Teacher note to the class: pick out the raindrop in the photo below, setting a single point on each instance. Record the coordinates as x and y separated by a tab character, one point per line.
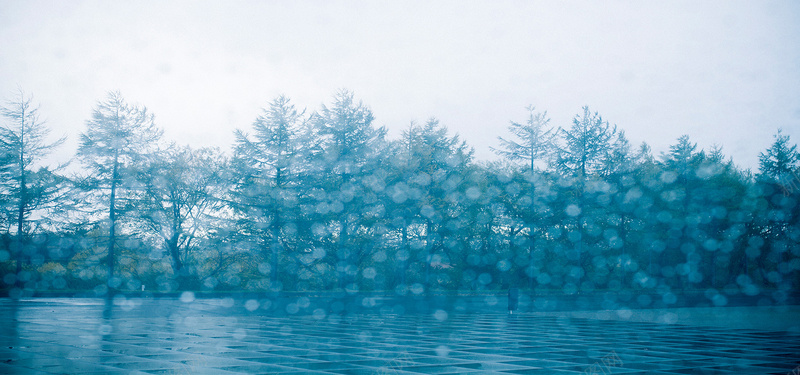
503	265
402	255
318	314
442	351
473	193
379	256
668	177
239	334
427	211
251	305
187	297
624	314
543	278
105	329
401	290
573	210
369	273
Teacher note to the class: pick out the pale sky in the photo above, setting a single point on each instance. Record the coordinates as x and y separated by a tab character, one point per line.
723	72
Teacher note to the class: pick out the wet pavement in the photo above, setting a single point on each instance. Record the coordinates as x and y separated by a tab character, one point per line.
188	335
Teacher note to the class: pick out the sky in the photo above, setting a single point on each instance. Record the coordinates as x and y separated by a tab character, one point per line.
725	73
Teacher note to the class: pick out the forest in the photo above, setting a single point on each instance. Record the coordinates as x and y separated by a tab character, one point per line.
324	201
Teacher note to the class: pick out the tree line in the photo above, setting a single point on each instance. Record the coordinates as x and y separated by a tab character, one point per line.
325	201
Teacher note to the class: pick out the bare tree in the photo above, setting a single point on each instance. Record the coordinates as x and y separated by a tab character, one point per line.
181	190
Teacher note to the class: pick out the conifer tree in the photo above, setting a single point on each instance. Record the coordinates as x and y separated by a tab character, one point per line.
23	145
267	179
533	144
586	147
118	138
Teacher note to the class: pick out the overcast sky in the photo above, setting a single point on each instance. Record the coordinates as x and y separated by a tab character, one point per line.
723	72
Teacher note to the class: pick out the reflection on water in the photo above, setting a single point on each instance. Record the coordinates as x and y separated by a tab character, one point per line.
433	334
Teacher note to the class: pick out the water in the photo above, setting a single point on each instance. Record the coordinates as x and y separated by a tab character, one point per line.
191	334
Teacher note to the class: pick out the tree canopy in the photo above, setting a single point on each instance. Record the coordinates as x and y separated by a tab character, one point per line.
323	200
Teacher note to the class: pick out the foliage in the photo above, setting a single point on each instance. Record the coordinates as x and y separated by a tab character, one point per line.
26	191
323	201
118	138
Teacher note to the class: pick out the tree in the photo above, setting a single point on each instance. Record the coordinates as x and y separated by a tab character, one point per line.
533	144
346	148
781	163
586	148
7	169
779	181
23	139
429	187
182	189
534	140
587	145
682	189
683	157
620	160
118	137
267	178
723	226
615	211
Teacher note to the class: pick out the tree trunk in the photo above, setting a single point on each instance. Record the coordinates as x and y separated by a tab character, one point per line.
581	208
428	249
406	255
344	253
112	218
20	226
623	236
23	200
276	248
531	251
177	264
276	229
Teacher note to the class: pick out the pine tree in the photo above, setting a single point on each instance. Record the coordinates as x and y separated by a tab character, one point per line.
534	144
23	142
681	189
779	180
781	163
345	148
582	156
118	137
267	178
